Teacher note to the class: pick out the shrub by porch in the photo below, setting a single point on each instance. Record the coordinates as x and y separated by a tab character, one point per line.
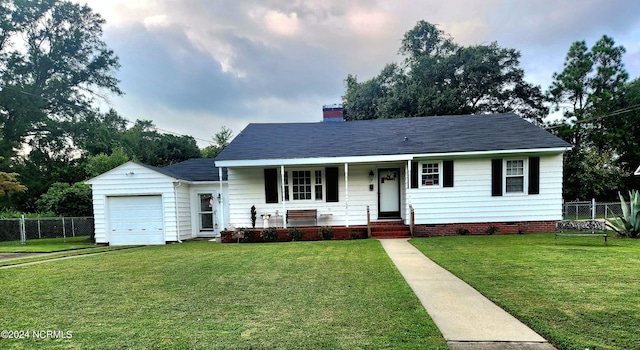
308	234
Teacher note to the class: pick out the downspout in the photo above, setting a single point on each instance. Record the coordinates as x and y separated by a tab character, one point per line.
175	200
222	227
284	205
346	190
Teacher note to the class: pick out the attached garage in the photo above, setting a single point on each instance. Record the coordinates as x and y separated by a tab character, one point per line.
138	204
135	220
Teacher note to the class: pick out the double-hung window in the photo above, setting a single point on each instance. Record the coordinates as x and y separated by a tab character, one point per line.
430	174
300	185
318	185
514	176
301	180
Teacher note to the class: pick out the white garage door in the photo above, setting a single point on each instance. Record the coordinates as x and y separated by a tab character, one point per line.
135	220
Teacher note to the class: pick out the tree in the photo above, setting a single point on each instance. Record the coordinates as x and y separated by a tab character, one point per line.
63	68
588	90
221	140
9	183
439	77
67	200
143	143
102	163
99	133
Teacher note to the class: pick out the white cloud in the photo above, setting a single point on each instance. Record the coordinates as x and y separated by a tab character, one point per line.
281	23
196	65
154	22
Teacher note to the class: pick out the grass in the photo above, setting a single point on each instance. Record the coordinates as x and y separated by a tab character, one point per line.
46	245
315	295
62	254
579	294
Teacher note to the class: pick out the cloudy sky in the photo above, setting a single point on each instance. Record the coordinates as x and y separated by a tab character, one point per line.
193	66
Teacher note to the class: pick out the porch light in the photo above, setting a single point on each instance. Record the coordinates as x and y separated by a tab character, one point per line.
371	175
219	198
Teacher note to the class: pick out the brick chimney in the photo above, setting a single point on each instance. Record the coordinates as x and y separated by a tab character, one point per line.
332	113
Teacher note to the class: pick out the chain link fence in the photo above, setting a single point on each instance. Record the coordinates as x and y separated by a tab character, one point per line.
10	229
591	210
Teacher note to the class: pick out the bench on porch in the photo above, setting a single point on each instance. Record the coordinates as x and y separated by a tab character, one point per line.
581	226
303	214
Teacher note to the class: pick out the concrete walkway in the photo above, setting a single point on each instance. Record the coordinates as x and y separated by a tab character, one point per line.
465	317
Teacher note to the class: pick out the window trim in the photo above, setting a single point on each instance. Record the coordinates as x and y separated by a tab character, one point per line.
288	186
525	180
420	173
206	212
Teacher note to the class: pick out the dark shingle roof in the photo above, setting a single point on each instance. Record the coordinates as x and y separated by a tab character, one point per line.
196	169
441	134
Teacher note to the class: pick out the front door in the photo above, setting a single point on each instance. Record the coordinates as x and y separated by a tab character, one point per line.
389	193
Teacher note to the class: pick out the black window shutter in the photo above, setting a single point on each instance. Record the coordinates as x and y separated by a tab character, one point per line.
496	177
447	168
271	185
332	184
414	174
534	175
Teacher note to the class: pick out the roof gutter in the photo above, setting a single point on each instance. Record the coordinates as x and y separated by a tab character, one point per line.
379	158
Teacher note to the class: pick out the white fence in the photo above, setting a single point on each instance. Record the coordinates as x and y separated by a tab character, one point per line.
61	227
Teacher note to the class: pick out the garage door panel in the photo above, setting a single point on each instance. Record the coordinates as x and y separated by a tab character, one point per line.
136	220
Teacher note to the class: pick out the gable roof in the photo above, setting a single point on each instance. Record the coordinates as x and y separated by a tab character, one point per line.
196	169
193	170
424	135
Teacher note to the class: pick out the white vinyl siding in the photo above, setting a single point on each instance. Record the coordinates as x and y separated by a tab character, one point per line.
471	201
246	188
131	179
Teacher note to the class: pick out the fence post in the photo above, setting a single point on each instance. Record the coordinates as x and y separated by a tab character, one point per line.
593	208
64	231
23	231
73	229
39	234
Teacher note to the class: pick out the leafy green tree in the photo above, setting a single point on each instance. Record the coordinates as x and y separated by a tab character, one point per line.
440	77
99	133
54	65
67	200
143	143
221	140
102	163
587	91
624	131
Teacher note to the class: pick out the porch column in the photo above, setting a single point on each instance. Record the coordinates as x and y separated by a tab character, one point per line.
221	200
407	186
346	191
284	205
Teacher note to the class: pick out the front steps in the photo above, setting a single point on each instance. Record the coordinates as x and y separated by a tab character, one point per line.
390	229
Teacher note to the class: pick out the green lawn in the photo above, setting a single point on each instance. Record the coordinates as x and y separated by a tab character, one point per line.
579	294
46	245
307	295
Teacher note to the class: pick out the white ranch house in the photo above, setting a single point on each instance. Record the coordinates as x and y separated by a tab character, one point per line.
141	204
496	169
